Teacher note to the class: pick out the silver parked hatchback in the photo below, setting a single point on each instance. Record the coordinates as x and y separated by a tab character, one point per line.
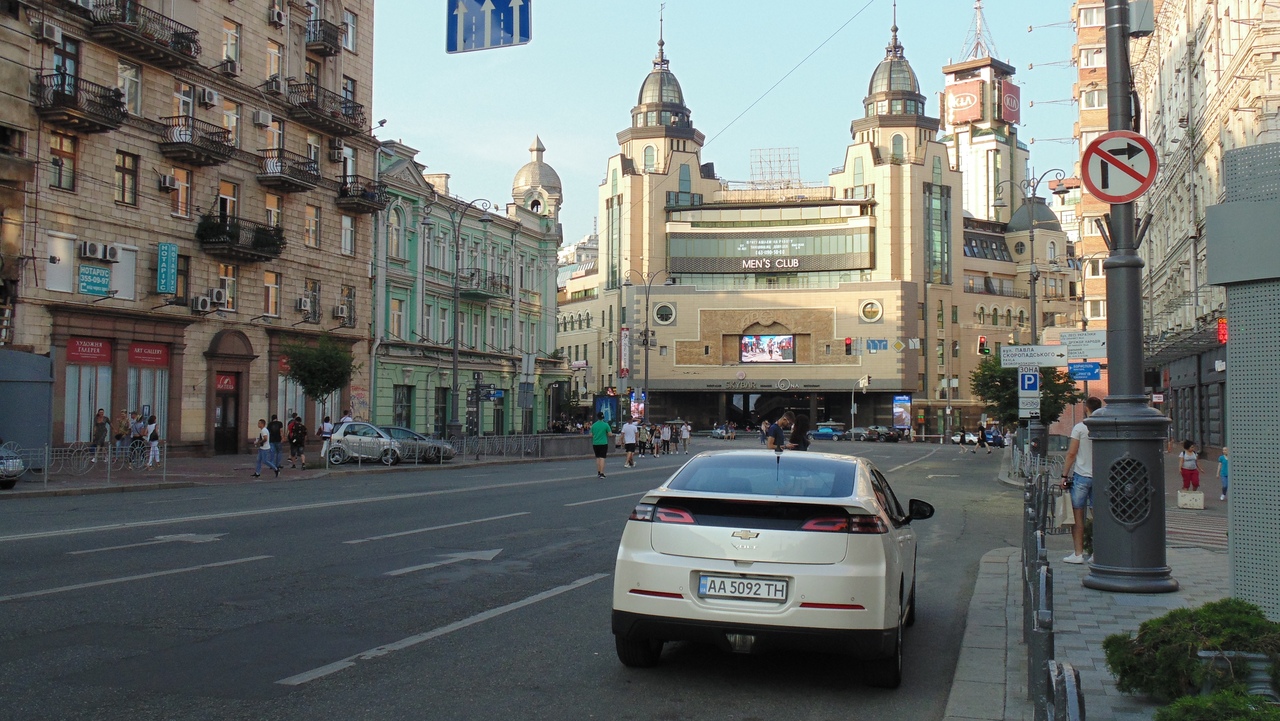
364	441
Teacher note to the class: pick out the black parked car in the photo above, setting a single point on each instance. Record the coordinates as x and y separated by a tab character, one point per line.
884	433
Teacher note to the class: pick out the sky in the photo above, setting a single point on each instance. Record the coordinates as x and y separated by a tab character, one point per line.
756	74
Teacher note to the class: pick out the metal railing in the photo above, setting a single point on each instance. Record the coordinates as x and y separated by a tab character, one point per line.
324	36
114	463
518	446
60	90
362	188
230	232
294	166
475	279
207	136
148	24
326	102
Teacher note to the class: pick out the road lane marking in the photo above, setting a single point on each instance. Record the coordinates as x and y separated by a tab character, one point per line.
178	538
602	500
126	579
177	500
435	528
270	511
447	560
904	465
349	661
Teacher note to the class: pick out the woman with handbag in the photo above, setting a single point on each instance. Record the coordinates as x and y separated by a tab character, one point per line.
153	437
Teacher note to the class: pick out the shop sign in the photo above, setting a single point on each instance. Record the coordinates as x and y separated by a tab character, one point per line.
89	351
94	280
149	354
284	365
166	268
224	381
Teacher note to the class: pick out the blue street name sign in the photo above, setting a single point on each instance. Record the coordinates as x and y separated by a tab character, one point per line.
167	268
1085	371
484	24
94	280
1029	382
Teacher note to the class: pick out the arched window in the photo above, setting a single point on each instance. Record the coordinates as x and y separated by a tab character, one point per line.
1053	250
899	148
1008	317
536	206
649	159
686	183
982	315
589	320
395	234
1022	318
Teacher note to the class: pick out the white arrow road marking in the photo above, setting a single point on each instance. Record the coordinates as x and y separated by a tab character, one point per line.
435	528
404	643
126	579
181	537
451	558
940	476
602	500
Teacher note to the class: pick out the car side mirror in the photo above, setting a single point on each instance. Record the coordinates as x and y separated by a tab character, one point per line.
918	510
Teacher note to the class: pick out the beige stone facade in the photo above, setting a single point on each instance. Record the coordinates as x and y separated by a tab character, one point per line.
232	135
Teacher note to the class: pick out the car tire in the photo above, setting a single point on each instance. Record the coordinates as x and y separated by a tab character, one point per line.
910	619
7	484
638	651
389	457
337	455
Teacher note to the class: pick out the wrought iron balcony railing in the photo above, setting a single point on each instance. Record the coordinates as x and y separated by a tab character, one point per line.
286	171
325	110
361	195
475	282
324	38
196	142
237	238
128	26
76	104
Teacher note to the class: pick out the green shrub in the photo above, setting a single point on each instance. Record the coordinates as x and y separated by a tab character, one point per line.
1221	706
1162	660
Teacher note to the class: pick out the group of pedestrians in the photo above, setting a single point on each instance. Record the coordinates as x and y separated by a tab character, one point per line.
132	431
638	439
273	434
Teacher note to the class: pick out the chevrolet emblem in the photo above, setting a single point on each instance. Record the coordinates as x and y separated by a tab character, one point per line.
746	535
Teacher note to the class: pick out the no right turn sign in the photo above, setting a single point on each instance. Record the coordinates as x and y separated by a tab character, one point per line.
1119	166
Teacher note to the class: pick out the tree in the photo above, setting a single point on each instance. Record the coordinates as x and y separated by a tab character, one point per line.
998	388
320	369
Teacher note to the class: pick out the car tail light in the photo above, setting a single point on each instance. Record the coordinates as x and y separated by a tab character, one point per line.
642	512
867	524
827	524
673	515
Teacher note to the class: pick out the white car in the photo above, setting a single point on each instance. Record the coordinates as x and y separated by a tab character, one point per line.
356	440
751	550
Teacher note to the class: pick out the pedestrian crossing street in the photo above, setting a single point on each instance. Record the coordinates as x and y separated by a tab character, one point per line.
1185	528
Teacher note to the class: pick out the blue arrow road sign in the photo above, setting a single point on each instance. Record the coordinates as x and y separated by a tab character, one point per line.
1085	371
484	24
1029	382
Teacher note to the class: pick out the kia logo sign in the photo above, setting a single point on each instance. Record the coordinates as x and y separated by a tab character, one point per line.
1011	102
963	101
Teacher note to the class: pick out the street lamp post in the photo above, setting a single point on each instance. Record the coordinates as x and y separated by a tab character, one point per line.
1037	432
647	279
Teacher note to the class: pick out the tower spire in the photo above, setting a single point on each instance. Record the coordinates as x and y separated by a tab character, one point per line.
661	62
894	48
978	43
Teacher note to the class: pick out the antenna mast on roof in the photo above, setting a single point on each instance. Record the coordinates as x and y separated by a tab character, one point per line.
978	43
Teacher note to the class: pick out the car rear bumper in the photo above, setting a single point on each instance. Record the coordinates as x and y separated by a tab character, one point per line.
859	643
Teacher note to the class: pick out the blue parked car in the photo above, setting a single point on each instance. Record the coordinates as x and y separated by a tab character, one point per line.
830	431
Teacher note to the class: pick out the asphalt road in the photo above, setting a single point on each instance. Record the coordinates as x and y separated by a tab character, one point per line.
468	593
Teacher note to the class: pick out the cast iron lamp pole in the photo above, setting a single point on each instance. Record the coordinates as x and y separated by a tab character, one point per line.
647	279
1037	432
457	214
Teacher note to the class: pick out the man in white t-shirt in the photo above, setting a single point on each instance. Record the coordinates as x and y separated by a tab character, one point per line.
665	436
684	438
629	431
1077	477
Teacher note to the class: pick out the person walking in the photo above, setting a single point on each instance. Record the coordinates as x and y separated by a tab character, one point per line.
346	416
629	433
275	429
777	441
153	438
325	431
685	432
121	427
799	439
764	431
982	440
1223	464
265	455
1077	477
297	442
665	435
1189	464
600	442
100	435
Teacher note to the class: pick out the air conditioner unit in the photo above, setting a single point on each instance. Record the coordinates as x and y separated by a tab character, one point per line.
262	118
304	304
201	304
111	253
275	16
337	144
335	156
340	311
168	183
274	85
91	250
229	68
218	296
50	33
208	97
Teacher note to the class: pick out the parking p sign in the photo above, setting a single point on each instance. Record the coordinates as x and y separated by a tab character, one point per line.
1029	382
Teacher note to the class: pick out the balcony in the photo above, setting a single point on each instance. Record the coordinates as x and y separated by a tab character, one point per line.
992	290
130	28
357	194
287	172
325	110
79	105
233	238
195	142
324	38
478	284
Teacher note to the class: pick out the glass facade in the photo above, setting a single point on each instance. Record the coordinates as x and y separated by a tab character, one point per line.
750	245
768	281
937	230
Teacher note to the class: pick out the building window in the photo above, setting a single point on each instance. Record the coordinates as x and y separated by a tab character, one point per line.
184	99
348	235
311	292
129	81
313	146
1053	250
1093	99
351	30
228	199
180	198
126	179
649	158
1097	309
271	294
275	133
348	89
899	148
686	184
275	205
872	311
1093	268
231	120
955	314
230	40
184	279
227	281
66	58
312	237
347	298
402	406
311	72
63	150
275	58
1093	57
395	235
395	319
1092	17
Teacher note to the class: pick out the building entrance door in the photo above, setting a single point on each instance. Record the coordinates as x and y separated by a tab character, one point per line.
226	414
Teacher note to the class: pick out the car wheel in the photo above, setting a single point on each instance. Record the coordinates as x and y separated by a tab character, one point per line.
389	457
638	651
887	673
7	484
910	620
337	455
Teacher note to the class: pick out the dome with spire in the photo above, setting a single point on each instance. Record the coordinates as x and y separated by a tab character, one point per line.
1037	208
894	73
661	86
661	101
537	185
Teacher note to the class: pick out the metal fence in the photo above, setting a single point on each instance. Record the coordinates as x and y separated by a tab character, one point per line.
114	463
519	446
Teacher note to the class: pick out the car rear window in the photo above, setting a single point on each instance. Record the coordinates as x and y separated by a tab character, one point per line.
768	474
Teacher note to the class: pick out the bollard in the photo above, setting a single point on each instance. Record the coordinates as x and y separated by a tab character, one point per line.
1040	648
1066	698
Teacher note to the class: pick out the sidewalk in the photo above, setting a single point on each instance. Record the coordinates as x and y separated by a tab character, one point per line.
993	659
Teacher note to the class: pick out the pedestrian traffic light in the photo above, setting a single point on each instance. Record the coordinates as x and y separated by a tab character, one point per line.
848	346
983	348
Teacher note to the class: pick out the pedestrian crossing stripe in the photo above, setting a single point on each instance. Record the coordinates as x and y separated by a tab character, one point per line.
1196	529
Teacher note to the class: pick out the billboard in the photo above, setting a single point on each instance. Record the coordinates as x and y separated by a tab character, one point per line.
964	101
767	349
1010	102
902	411
608	405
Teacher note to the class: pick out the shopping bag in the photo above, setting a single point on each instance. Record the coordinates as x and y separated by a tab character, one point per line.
1063	515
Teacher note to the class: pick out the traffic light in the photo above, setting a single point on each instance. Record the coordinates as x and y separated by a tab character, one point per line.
983	348
848	346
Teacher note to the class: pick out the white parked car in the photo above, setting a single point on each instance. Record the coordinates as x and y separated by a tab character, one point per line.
358	440
414	446
751	550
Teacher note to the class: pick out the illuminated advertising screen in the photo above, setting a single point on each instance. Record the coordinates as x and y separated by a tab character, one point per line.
767	349
902	411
